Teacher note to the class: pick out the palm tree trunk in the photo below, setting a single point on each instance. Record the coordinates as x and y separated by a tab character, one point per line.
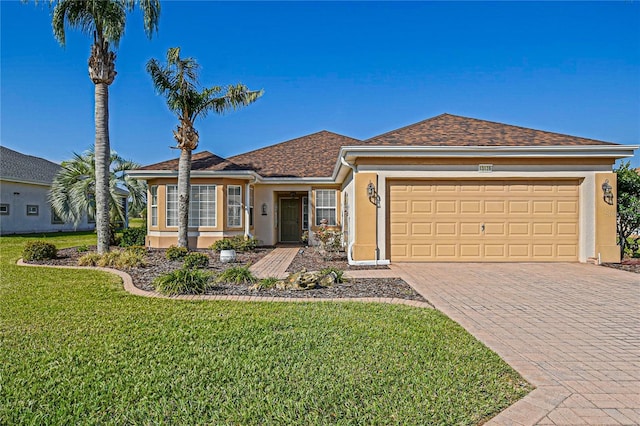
184	189
102	152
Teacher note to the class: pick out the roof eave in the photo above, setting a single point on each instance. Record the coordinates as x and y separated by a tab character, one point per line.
157	174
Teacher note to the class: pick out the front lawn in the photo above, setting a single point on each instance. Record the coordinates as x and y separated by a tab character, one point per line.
76	349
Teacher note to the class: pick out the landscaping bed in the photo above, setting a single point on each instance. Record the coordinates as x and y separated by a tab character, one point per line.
308	258
629	265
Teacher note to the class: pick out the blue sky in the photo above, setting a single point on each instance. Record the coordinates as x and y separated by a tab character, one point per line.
358	69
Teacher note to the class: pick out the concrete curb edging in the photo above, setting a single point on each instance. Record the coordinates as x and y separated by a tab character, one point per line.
132	289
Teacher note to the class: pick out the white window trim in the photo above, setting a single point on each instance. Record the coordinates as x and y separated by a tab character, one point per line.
229	206
35	208
335	207
6	209
305	206
166	206
214	201
154	204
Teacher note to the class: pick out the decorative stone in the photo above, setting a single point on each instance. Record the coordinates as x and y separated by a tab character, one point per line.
304	280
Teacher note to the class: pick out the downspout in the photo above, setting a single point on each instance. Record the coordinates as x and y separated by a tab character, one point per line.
247	201
354	168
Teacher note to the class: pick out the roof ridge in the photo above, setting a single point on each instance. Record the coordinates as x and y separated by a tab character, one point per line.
291	140
409	126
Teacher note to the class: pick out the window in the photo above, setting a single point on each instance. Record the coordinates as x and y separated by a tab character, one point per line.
4	209
32	210
154	205
305	213
172	205
326	206
251	198
55	219
202	205
234	206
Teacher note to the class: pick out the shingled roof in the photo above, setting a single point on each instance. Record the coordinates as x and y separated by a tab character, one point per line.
26	168
313	155
454	130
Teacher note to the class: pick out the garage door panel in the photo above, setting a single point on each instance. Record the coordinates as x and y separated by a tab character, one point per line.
484	221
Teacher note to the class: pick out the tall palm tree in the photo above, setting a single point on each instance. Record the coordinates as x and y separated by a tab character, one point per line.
177	81
72	193
105	21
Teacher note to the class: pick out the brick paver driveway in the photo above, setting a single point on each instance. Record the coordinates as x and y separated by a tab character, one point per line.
572	330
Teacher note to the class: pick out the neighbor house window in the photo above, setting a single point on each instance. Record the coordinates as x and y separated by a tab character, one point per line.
305	213
234	206
4	209
154	205
32	210
55	219
202	205
251	198
326	206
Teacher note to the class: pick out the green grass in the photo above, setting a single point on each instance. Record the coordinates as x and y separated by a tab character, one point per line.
75	348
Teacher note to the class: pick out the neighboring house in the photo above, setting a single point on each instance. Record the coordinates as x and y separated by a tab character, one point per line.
448	188
24	186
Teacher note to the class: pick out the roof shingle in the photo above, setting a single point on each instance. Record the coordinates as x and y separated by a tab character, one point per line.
27	168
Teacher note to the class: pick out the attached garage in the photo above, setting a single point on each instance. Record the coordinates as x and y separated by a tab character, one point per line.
483	220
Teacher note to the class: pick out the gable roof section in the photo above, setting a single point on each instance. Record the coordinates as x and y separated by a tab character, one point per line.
454	130
313	155
15	166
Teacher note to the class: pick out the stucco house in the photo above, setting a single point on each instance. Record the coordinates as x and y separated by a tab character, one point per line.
25	181
448	188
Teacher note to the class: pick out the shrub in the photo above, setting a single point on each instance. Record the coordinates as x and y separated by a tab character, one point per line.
182	281
83	248
133	237
89	259
338	272
39	250
237	243
266	283
176	253
131	259
237	275
196	260
140	250
223	244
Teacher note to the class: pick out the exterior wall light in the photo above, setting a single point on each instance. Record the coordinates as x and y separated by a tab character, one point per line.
264	209
607	192
371	190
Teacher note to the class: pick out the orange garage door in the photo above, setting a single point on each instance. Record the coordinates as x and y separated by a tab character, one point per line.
483	221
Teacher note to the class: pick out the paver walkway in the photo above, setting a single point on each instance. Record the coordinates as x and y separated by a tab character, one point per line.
572	330
275	264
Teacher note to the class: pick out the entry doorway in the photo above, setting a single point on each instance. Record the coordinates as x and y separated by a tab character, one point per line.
290	218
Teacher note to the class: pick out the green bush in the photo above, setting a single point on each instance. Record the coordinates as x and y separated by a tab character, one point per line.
223	244
266	283
140	250
339	273
89	259
237	275
196	260
238	243
176	253
182	281
39	250
83	248
133	237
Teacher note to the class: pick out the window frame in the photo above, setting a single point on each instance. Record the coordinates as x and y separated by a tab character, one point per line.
251	203
238	207
174	216
5	209
305	213
318	208
35	210
55	219
153	193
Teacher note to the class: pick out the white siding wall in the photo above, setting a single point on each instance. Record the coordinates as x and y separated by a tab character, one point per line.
18	196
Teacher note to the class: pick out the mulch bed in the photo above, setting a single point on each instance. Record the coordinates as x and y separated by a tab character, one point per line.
629	265
307	258
311	260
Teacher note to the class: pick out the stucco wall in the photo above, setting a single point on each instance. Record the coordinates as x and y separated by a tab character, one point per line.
19	196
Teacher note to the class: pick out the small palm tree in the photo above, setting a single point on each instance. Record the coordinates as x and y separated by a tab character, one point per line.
177	81
105	21
72	194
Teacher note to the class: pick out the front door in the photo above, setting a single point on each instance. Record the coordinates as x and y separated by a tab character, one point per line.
289	220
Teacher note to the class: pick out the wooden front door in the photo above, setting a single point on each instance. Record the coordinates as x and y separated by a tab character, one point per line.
289	220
